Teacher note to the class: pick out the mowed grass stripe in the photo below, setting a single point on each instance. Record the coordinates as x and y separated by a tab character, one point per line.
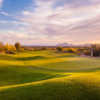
78	86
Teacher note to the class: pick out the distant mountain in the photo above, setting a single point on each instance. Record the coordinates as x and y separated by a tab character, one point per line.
72	45
64	45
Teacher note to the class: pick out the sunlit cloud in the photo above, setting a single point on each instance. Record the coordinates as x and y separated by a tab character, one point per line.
53	21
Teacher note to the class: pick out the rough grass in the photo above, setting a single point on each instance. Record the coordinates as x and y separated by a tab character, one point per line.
46	75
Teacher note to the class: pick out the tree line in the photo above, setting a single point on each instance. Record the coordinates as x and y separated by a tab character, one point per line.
93	50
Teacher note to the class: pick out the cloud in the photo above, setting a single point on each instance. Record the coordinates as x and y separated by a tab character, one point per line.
4	13
62	21
1	1
53	21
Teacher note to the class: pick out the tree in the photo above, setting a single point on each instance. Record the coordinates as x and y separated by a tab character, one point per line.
17	46
1	47
59	49
9	47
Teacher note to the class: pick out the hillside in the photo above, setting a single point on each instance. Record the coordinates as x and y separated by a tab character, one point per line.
46	75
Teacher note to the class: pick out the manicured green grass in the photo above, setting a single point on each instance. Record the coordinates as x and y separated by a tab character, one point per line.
47	75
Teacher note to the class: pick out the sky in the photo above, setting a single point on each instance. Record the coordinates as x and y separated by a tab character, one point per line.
49	22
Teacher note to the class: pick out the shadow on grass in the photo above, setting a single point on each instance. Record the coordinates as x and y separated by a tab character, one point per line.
32	58
13	74
54	90
64	56
65	71
13	58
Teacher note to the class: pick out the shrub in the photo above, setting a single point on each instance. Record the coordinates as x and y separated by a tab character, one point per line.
93	51
10	52
69	50
87	52
43	48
